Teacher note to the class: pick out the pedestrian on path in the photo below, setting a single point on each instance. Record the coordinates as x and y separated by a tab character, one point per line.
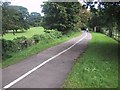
87	29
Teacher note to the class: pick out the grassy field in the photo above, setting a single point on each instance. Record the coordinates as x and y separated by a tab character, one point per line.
97	67
27	33
17	57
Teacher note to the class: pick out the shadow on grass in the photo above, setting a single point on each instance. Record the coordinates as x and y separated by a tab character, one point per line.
105	49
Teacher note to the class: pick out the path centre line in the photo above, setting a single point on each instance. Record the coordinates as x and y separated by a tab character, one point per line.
40	65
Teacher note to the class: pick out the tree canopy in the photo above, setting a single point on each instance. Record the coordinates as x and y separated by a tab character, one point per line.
35	19
106	15
62	16
14	17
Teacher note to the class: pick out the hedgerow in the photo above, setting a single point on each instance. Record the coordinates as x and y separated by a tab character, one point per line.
21	43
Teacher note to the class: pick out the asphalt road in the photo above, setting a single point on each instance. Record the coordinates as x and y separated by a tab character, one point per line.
50	75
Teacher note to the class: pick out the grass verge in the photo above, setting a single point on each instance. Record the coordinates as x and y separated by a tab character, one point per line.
97	67
17	57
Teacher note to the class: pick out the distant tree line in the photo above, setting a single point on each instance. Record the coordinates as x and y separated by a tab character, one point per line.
35	19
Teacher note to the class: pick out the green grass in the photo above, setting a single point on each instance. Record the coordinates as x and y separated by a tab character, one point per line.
17	57
97	67
27	33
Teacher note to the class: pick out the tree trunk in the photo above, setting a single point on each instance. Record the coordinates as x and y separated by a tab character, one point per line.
110	33
16	31
13	32
3	33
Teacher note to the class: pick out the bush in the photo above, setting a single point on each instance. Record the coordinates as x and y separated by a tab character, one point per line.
36	38
7	46
20	43
56	34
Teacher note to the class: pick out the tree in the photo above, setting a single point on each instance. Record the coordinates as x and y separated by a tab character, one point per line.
14	17
62	16
23	16
5	21
35	19
85	16
0	19
107	15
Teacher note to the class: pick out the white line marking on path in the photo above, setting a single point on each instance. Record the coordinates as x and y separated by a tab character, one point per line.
40	65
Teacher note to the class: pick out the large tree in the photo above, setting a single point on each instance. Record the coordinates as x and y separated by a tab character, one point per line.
14	17
106	15
62	16
23	16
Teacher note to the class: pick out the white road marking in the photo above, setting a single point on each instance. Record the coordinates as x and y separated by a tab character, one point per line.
40	65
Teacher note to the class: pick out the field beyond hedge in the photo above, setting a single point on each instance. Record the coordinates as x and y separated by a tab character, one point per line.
97	67
27	33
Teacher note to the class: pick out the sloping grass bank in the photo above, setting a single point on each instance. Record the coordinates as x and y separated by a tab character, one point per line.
17	57
97	67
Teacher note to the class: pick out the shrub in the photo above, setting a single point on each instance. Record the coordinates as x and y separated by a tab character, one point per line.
56	34
20	43
36	38
7	46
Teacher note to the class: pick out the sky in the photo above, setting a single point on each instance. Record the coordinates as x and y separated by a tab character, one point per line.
31	5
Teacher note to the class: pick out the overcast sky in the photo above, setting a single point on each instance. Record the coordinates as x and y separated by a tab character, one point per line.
31	5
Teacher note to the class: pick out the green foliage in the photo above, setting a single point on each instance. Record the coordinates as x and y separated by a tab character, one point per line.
21	43
14	17
36	38
61	16
35	19
34	49
105	16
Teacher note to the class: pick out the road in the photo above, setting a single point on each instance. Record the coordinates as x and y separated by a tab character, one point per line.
47	69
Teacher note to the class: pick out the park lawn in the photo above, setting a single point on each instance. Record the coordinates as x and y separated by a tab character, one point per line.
19	56
27	33
97	67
